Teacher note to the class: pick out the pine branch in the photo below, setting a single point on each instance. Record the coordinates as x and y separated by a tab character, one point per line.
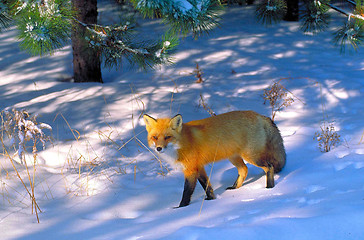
43	26
271	11
352	33
196	16
315	18
115	43
4	16
340	10
352	2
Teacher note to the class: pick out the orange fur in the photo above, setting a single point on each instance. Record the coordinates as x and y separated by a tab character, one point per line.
234	135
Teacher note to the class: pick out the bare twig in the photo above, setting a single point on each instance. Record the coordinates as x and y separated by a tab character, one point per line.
198	72
205	106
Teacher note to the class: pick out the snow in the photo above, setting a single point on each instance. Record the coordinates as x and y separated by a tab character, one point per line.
184	6
98	181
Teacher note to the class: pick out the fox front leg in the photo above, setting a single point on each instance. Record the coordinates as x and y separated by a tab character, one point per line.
189	188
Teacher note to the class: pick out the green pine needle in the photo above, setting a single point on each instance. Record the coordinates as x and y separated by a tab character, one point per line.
315	18
116	44
43	28
352	34
271	11
4	16
196	16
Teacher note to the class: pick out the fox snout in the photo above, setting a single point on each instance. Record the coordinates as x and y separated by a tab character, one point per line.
158	144
159	149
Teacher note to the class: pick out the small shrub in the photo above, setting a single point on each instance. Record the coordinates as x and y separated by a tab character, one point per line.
327	137
278	97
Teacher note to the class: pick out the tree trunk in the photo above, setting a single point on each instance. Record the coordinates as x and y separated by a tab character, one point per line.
86	61
292	10
249	2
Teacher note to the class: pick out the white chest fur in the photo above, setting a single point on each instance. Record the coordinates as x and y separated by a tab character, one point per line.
169	155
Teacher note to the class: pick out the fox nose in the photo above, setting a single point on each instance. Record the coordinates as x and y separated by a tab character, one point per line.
159	149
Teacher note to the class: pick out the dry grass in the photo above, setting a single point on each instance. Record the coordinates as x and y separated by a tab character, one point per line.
84	164
205	106
362	138
87	161
198	73
327	137
278	97
19	132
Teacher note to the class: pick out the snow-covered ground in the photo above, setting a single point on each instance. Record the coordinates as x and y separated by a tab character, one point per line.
98	181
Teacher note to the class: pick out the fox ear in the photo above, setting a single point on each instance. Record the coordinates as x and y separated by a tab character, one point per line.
176	122
149	121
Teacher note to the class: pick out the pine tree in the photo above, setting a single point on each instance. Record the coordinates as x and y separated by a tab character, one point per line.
86	60
4	16
315	18
44	26
292	10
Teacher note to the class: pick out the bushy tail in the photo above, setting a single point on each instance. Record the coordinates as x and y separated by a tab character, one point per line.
275	147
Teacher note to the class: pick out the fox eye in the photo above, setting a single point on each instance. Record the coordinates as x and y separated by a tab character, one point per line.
155	137
167	137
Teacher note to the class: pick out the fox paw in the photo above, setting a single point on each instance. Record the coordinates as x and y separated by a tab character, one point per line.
210	198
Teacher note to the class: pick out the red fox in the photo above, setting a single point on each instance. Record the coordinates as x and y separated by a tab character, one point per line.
234	135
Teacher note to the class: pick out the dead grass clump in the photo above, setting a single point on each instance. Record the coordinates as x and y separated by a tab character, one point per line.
327	137
22	133
278	97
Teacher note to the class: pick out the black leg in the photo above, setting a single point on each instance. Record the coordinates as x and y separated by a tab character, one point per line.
270	176
270	179
204	181
189	188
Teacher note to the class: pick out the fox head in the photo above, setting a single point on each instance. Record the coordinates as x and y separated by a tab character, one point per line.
163	131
